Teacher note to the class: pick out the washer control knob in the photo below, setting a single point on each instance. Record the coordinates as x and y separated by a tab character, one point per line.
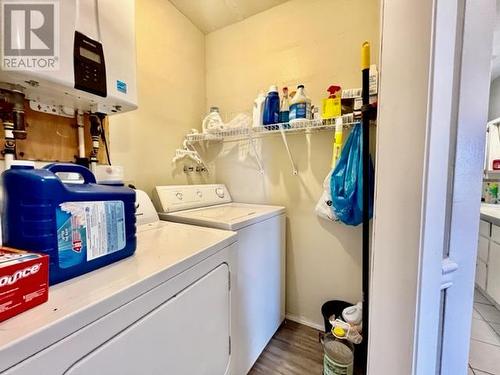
179	196
199	193
220	192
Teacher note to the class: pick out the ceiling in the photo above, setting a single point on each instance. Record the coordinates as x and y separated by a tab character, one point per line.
211	15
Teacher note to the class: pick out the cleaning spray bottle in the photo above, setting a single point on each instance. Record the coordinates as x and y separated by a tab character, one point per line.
332	106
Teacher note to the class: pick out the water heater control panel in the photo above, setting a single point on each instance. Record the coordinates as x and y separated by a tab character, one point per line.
90	69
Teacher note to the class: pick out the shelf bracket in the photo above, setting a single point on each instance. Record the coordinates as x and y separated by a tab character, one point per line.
285	142
257	158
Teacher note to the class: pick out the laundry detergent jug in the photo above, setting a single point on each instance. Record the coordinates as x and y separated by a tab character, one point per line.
80	226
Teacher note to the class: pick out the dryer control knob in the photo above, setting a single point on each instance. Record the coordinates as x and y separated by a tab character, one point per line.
220	192
179	196
199	194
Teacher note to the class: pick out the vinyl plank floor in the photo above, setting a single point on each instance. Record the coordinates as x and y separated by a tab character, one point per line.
294	350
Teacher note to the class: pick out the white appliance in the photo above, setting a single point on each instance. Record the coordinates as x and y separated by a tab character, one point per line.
258	291
164	310
96	59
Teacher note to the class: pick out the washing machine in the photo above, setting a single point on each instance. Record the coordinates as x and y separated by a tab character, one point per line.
165	310
258	272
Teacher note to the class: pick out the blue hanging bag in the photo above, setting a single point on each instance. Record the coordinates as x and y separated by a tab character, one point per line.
346	182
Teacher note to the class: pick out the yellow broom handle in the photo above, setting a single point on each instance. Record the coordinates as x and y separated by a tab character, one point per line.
365	56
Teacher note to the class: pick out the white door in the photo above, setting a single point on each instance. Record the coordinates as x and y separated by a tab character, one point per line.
434	93
186	335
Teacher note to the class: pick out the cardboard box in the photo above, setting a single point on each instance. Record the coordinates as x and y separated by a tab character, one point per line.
24	281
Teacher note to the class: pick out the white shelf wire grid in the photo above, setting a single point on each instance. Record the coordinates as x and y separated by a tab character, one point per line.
302	126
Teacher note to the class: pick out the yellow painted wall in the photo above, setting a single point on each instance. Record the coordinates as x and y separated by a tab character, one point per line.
316	43
171	82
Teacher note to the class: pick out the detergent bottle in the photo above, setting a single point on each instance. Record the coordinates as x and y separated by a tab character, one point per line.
300	107
258	110
213	123
272	107
80	226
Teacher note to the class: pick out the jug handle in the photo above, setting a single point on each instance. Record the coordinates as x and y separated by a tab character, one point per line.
88	176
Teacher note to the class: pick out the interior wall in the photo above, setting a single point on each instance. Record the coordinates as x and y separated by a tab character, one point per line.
494	107
171	90
316	43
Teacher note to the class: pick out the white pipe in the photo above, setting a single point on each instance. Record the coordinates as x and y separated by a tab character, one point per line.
81	134
10	144
9	158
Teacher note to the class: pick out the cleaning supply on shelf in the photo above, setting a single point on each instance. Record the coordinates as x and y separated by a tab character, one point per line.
80	226
284	107
213	122
300	107
315	113
373	81
347	181
338	357
272	108
332	106
258	110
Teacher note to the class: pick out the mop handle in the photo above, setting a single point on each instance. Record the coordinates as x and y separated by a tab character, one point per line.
365	69
365	56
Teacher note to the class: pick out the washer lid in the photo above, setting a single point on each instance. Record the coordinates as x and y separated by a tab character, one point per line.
230	216
164	250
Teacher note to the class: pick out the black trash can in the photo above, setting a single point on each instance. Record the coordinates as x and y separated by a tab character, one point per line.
333	308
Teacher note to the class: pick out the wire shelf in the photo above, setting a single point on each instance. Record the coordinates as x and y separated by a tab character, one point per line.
303	126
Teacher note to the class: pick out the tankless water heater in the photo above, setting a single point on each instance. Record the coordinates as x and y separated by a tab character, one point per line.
79	54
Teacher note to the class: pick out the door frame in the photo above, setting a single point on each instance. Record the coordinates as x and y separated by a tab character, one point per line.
434	91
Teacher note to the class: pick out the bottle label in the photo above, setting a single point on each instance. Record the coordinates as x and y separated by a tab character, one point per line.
89	230
300	111
332	368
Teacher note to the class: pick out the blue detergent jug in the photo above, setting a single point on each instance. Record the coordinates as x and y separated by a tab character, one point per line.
271	108
80	226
